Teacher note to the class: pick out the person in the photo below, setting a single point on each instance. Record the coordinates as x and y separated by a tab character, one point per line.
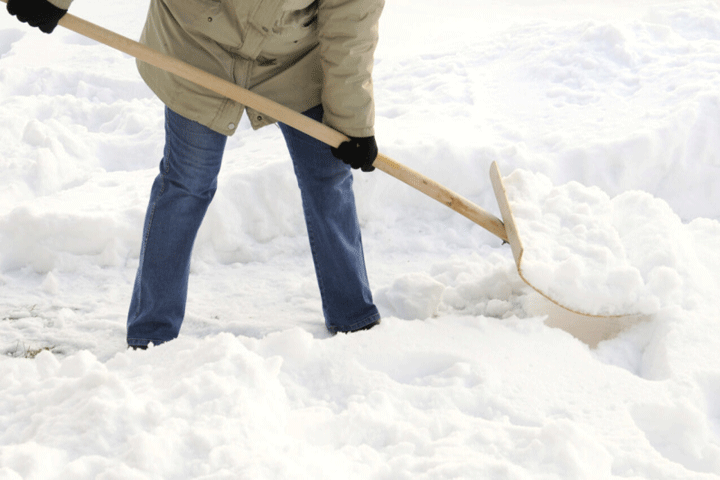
314	56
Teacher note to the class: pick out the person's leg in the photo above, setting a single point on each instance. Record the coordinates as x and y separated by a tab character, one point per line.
334	231
179	199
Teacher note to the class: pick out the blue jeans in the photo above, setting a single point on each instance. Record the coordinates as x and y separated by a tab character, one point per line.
180	196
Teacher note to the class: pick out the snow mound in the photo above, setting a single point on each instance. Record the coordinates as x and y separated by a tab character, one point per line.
626	255
412	296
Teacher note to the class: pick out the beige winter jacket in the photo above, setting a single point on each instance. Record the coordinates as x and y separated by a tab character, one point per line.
299	53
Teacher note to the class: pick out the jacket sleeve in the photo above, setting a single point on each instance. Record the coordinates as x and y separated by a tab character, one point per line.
63	4
348	35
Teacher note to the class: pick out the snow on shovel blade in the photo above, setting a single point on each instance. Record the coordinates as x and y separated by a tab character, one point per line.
568	246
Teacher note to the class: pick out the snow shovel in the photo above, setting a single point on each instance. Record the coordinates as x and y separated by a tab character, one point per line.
504	230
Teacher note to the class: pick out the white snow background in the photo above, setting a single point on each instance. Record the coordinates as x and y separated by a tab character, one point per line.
471	375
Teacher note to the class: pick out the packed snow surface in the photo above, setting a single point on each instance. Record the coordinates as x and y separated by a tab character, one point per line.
605	114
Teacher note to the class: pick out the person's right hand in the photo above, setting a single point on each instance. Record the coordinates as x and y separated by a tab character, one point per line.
38	13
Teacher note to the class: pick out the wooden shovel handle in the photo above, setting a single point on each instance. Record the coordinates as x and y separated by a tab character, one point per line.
290	117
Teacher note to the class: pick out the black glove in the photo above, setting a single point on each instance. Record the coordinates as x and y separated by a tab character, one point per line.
38	13
358	152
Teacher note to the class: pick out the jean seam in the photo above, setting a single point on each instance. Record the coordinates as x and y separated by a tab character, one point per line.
318	270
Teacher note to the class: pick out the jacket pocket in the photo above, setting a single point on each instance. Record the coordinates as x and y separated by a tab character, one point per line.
294	31
207	18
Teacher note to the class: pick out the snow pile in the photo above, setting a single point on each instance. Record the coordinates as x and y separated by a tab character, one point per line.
627	255
613	106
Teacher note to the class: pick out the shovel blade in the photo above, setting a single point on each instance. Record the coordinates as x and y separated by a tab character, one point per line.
516	244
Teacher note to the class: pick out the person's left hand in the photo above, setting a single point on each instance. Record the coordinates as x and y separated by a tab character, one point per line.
358	152
38	13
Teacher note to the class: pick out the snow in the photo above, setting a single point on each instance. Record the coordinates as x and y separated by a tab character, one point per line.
609	111
600	256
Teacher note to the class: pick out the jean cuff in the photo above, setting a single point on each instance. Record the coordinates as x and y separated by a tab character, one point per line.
374	318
